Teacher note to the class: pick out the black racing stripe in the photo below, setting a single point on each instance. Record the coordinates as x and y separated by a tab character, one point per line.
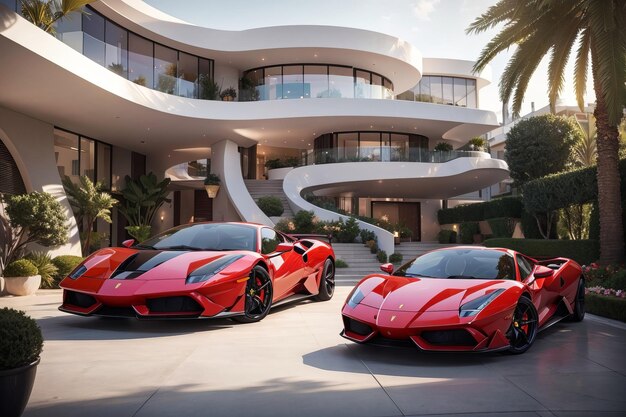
143	261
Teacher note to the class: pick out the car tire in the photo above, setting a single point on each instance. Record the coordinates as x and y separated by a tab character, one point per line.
327	282
579	303
524	326
258	293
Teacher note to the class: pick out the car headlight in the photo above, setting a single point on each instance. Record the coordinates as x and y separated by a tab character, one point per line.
355	298
212	268
475	306
78	272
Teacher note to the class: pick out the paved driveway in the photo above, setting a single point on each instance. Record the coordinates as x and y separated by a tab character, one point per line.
294	363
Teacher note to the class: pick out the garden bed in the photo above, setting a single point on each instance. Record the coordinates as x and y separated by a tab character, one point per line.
608	306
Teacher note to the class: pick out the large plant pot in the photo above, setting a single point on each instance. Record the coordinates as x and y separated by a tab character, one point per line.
22	285
15	388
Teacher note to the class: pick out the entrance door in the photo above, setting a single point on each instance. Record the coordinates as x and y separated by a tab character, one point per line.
406	213
202	207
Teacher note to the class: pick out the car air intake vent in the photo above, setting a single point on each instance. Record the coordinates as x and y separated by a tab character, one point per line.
173	305
457	337
357	327
110	311
79	299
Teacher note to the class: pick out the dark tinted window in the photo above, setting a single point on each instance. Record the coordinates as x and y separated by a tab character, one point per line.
213	236
461	263
525	267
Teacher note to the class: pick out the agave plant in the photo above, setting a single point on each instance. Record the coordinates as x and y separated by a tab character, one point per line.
142	199
45	13
46	268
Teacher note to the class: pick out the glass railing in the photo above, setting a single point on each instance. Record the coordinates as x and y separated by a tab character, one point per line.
303	91
386	154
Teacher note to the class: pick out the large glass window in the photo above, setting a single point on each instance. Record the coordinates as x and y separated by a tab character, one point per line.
362	84
141	61
187	74
471	94
207	87
448	94
165	69
340	82
455	91
273	83
103	174
116	49
93	41
316	81
377	86
369	146
87	157
460	92
11	4
66	154
293	81
399	147
70	31
348	146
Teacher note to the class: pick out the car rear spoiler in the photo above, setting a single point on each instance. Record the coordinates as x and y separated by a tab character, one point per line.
323	238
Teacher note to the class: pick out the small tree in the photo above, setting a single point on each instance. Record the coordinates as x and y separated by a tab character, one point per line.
541	145
45	13
32	218
89	203
143	198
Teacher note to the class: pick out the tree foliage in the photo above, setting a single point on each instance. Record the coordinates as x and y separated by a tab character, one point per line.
45	13
540	146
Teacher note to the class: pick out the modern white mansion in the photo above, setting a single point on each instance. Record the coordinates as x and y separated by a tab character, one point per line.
127	89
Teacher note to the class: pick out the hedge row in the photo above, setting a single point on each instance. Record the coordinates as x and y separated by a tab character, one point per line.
500	207
606	306
582	251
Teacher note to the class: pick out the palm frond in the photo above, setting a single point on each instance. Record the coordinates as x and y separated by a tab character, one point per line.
562	45
580	67
502	11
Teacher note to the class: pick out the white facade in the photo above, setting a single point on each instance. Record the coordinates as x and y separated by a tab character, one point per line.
74	87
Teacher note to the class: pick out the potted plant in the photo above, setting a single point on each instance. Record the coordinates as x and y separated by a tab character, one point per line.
21	277
212	185
21	343
443	147
229	94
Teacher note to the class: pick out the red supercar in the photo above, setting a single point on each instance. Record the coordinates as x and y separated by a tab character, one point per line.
465	299
202	270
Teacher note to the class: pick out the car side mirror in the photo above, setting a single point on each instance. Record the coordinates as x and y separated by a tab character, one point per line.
284	247
388	268
128	243
542	272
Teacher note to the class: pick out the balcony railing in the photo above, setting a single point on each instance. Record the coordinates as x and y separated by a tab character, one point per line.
386	154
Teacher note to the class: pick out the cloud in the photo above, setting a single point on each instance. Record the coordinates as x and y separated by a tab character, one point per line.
422	9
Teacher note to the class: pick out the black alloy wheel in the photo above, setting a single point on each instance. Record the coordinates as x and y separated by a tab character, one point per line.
579	303
327	282
524	326
258	295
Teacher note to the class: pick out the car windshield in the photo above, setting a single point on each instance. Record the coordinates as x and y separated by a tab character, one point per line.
461	264
204	236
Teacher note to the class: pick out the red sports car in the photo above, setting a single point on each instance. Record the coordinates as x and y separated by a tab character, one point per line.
201	270
465	299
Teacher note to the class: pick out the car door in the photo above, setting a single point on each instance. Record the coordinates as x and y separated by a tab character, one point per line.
288	267
542	297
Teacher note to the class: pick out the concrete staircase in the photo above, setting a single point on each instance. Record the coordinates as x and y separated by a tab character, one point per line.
263	188
361	262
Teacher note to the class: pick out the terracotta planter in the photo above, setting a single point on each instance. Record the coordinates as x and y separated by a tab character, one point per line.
22	285
212	190
15	388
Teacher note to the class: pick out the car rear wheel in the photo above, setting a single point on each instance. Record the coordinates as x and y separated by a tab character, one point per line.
327	282
258	295
524	326
579	303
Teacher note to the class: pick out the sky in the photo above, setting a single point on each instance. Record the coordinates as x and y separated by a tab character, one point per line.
435	27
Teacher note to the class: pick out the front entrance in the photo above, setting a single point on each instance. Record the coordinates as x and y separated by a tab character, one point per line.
202	207
405	213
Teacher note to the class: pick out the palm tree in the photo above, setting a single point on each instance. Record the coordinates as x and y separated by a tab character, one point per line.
89	203
539	27
45	13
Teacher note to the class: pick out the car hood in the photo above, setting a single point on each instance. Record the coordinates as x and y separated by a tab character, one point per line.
425	294
122	263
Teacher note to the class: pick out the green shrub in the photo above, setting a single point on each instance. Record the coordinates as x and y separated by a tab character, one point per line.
21	341
443	147
348	230
467	231
367	235
502	227
45	267
304	222
617	281
395	258
381	255
582	251
499	207
20	268
373	247
606	306
446	236
271	205
340	263
503	207
65	264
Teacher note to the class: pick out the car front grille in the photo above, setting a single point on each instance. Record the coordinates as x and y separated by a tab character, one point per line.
180	304
455	337
79	299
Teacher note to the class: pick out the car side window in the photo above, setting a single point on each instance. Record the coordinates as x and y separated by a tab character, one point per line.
525	268
269	240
